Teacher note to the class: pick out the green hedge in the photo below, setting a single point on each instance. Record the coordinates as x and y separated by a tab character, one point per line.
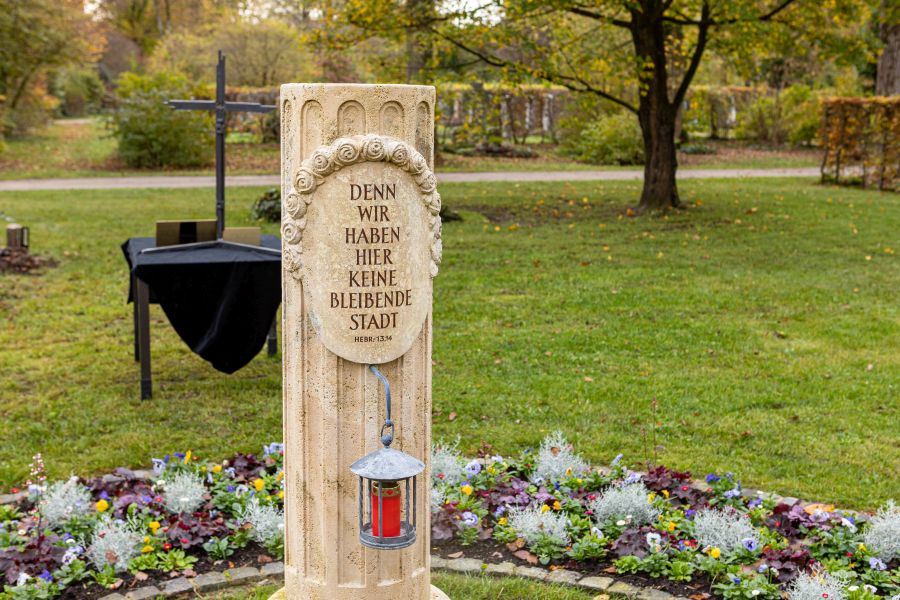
610	140
153	135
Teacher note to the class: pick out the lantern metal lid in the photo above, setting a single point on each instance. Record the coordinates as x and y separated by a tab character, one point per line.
387	464
387	484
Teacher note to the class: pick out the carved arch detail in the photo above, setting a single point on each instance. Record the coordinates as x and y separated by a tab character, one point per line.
344	152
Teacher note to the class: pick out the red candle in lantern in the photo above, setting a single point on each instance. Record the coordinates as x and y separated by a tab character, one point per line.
390	504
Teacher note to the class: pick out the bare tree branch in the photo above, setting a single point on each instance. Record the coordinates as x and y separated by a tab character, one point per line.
696	57
583	12
767	16
573	83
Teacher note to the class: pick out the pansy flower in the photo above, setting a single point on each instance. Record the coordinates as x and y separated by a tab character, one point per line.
473	468
470	519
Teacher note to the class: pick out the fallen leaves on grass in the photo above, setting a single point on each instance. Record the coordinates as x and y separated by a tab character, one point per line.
526	556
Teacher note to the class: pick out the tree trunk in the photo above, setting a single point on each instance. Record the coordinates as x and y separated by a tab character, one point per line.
660	160
418	40
887	82
656	113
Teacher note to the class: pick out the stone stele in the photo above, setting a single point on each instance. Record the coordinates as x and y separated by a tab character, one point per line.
361	242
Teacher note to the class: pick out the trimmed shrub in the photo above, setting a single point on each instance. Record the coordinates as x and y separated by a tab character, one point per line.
788	116
268	207
611	140
861	137
80	91
152	134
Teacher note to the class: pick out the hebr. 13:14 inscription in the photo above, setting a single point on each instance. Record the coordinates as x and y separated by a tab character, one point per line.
373	286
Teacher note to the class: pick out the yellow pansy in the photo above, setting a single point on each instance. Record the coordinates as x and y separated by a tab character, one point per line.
281	494
102	505
154	525
715	552
217	468
259	484
146	539
862	547
544	508
502	521
671	526
147	549
569	471
556	505
187	457
467	489
665	493
651	497
280	476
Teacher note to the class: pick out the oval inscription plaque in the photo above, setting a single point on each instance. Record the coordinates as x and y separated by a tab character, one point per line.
362	231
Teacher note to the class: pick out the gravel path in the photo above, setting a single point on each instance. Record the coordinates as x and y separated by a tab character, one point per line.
167	181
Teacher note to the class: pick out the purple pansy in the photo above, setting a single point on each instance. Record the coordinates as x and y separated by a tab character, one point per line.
473	468
470	519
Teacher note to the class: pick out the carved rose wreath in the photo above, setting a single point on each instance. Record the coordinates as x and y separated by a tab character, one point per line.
344	152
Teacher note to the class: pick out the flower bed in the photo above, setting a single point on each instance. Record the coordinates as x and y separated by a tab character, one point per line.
551	508
81	538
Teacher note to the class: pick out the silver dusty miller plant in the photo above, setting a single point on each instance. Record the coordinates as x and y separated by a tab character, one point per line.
625	502
184	493
446	463
267	522
816	586
556	460
883	533
438	498
114	543
533	523
727	531
64	500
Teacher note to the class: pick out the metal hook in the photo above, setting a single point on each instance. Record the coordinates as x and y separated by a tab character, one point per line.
386	438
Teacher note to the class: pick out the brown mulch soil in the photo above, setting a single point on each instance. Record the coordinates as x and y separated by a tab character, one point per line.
731	151
18	260
251	556
489	551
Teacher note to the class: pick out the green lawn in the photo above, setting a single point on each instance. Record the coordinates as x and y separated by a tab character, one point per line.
85	148
763	321
458	587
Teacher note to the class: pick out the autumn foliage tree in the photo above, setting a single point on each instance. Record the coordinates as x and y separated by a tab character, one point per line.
35	37
638	55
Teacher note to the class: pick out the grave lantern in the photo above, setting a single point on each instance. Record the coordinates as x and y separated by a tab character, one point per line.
387	489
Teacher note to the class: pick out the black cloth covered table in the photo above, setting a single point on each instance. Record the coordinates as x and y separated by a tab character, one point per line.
221	298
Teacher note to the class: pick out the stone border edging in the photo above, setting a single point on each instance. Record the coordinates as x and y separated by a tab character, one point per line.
212	581
558	576
205	582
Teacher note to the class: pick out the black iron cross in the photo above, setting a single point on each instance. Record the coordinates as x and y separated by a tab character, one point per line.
221	107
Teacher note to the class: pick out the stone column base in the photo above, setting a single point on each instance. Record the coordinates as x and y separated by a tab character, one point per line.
436	594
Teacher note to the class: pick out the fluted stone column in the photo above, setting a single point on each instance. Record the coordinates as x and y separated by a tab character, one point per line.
334	137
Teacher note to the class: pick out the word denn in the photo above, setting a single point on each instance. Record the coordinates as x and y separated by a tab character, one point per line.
373	191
